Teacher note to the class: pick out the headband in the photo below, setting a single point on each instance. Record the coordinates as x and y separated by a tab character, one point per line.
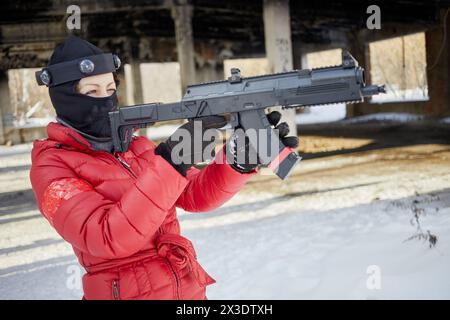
59	73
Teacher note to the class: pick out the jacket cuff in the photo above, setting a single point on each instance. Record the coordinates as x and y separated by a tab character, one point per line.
221	158
230	179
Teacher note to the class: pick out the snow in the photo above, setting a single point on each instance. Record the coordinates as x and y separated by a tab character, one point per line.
32	122
322	240
326	255
445	120
332	230
394	94
385	117
321	114
15	149
161	132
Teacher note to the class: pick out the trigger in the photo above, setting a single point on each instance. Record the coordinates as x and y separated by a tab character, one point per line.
234	120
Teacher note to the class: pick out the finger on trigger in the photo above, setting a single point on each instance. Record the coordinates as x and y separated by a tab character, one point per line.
274	117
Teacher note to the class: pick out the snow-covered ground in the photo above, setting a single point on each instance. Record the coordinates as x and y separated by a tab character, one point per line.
358	252
335	229
333	232
394	94
322	114
385	117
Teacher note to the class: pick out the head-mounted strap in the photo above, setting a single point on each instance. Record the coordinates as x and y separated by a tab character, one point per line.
59	73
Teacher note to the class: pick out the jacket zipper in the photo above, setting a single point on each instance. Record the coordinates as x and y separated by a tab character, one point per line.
125	165
128	169
115	290
176	279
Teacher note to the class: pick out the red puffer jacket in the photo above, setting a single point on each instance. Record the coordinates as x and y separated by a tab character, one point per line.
118	213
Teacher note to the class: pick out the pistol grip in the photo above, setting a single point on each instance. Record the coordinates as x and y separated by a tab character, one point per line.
275	155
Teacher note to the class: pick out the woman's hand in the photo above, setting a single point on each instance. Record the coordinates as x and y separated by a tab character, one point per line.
244	158
185	153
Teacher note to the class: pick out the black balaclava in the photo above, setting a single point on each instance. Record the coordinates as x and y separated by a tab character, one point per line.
89	115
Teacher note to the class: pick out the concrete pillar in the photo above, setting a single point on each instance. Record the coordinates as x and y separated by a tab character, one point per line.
182	15
137	82
132	72
165	91
358	48
4	104
438	71
122	89
136	88
8	133
277	32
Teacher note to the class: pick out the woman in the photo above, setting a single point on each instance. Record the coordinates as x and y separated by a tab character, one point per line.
117	210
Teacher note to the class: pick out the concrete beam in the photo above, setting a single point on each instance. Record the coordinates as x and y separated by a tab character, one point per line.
59	7
277	31
438	70
35	31
182	15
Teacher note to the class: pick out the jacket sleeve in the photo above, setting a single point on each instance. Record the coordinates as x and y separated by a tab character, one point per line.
211	187
95	224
